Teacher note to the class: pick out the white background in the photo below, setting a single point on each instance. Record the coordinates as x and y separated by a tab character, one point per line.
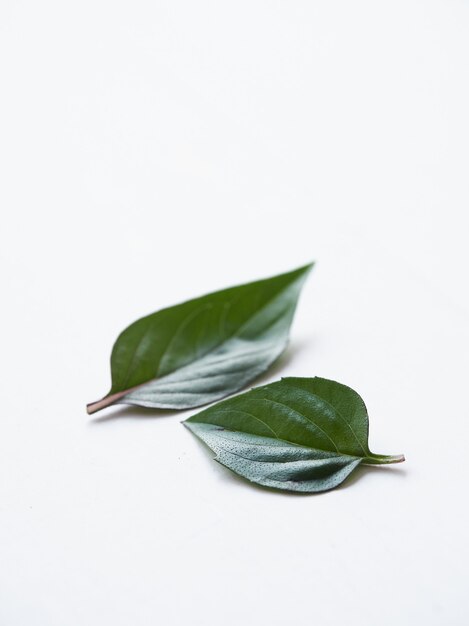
154	151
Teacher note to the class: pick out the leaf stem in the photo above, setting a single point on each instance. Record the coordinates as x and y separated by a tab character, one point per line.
383	459
93	407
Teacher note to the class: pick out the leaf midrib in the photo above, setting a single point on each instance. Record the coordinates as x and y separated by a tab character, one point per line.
290	443
275	434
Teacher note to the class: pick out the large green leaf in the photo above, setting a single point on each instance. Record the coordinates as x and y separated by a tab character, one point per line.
298	434
204	349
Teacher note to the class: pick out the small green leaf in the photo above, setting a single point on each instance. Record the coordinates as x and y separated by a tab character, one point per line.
204	349
298	434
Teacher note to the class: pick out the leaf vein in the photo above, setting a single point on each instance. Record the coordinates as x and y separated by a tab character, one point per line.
253	416
307	418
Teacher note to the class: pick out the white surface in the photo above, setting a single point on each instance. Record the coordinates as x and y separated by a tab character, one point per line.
151	152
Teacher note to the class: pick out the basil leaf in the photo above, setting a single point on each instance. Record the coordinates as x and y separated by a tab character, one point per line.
204	349
298	434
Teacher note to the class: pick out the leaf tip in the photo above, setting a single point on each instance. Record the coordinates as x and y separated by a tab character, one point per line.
307	267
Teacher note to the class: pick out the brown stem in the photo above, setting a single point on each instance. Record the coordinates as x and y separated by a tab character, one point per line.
108	400
93	407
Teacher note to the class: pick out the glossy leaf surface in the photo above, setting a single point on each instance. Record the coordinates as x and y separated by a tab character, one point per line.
298	434
203	349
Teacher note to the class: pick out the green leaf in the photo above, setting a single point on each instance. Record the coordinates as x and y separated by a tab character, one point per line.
298	434
204	349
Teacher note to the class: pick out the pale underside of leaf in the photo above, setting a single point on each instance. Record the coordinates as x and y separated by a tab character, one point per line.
210	378
257	459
